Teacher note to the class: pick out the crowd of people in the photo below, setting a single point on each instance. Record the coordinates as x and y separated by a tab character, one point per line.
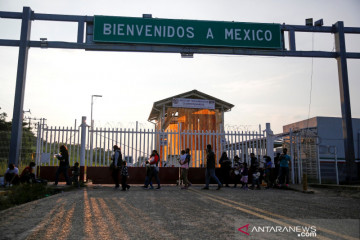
258	171
236	172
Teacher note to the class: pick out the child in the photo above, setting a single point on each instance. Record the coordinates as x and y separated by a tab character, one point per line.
76	174
267	171
237	169
124	177
255	179
244	176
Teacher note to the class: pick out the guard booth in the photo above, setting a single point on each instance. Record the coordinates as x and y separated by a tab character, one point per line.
194	112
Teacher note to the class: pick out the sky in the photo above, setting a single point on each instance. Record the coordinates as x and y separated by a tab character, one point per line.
275	90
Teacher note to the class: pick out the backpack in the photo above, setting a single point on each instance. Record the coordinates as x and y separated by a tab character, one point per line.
119	160
188	157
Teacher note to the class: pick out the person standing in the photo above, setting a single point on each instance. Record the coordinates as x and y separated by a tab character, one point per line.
275	178
116	165
148	175
210	169
284	168
154	169
188	158
184	167
225	169
254	171
63	157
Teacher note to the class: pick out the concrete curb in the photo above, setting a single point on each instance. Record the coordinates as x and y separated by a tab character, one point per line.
299	188
337	187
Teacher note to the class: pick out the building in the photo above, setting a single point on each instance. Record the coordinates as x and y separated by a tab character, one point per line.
192	111
316	143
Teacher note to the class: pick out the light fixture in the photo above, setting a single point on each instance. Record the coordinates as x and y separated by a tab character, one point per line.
92	103
92	126
319	23
43	43
146	15
187	55
309	22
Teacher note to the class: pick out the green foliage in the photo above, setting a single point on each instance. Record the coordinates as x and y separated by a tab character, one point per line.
28	142
24	193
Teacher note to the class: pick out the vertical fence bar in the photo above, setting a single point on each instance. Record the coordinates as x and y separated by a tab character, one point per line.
132	145
292	158
104	150
101	163
152	141
144	146
128	142
298	157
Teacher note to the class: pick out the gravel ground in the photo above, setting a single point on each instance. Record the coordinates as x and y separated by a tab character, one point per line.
100	212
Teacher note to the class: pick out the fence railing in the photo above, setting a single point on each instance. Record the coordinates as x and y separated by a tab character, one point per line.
137	144
49	140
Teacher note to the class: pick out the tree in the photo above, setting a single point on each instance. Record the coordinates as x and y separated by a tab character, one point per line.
28	141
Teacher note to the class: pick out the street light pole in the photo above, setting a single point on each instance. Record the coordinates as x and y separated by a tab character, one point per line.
92	127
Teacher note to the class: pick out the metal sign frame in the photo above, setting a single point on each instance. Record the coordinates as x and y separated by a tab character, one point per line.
25	43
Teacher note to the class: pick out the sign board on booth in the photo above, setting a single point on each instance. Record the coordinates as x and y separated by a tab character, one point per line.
193	103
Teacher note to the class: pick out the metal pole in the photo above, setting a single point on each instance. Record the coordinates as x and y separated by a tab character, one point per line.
270	143
82	150
336	166
292	161
297	142
318	158
16	129
92	129
351	168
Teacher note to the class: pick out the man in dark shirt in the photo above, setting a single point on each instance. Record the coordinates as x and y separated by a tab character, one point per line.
210	168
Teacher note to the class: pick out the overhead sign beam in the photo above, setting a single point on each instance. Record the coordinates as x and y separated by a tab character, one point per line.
91	46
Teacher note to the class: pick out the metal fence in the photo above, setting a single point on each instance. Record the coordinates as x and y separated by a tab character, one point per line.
137	144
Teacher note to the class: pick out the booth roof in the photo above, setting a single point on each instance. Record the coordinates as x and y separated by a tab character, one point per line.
194	94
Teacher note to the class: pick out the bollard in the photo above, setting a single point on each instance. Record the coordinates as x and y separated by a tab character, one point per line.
305	184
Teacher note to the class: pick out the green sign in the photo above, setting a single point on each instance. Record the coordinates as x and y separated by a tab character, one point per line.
186	32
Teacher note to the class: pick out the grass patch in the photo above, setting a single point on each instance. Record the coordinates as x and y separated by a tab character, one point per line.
24	193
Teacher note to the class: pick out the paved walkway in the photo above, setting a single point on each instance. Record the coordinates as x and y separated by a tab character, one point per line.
100	212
